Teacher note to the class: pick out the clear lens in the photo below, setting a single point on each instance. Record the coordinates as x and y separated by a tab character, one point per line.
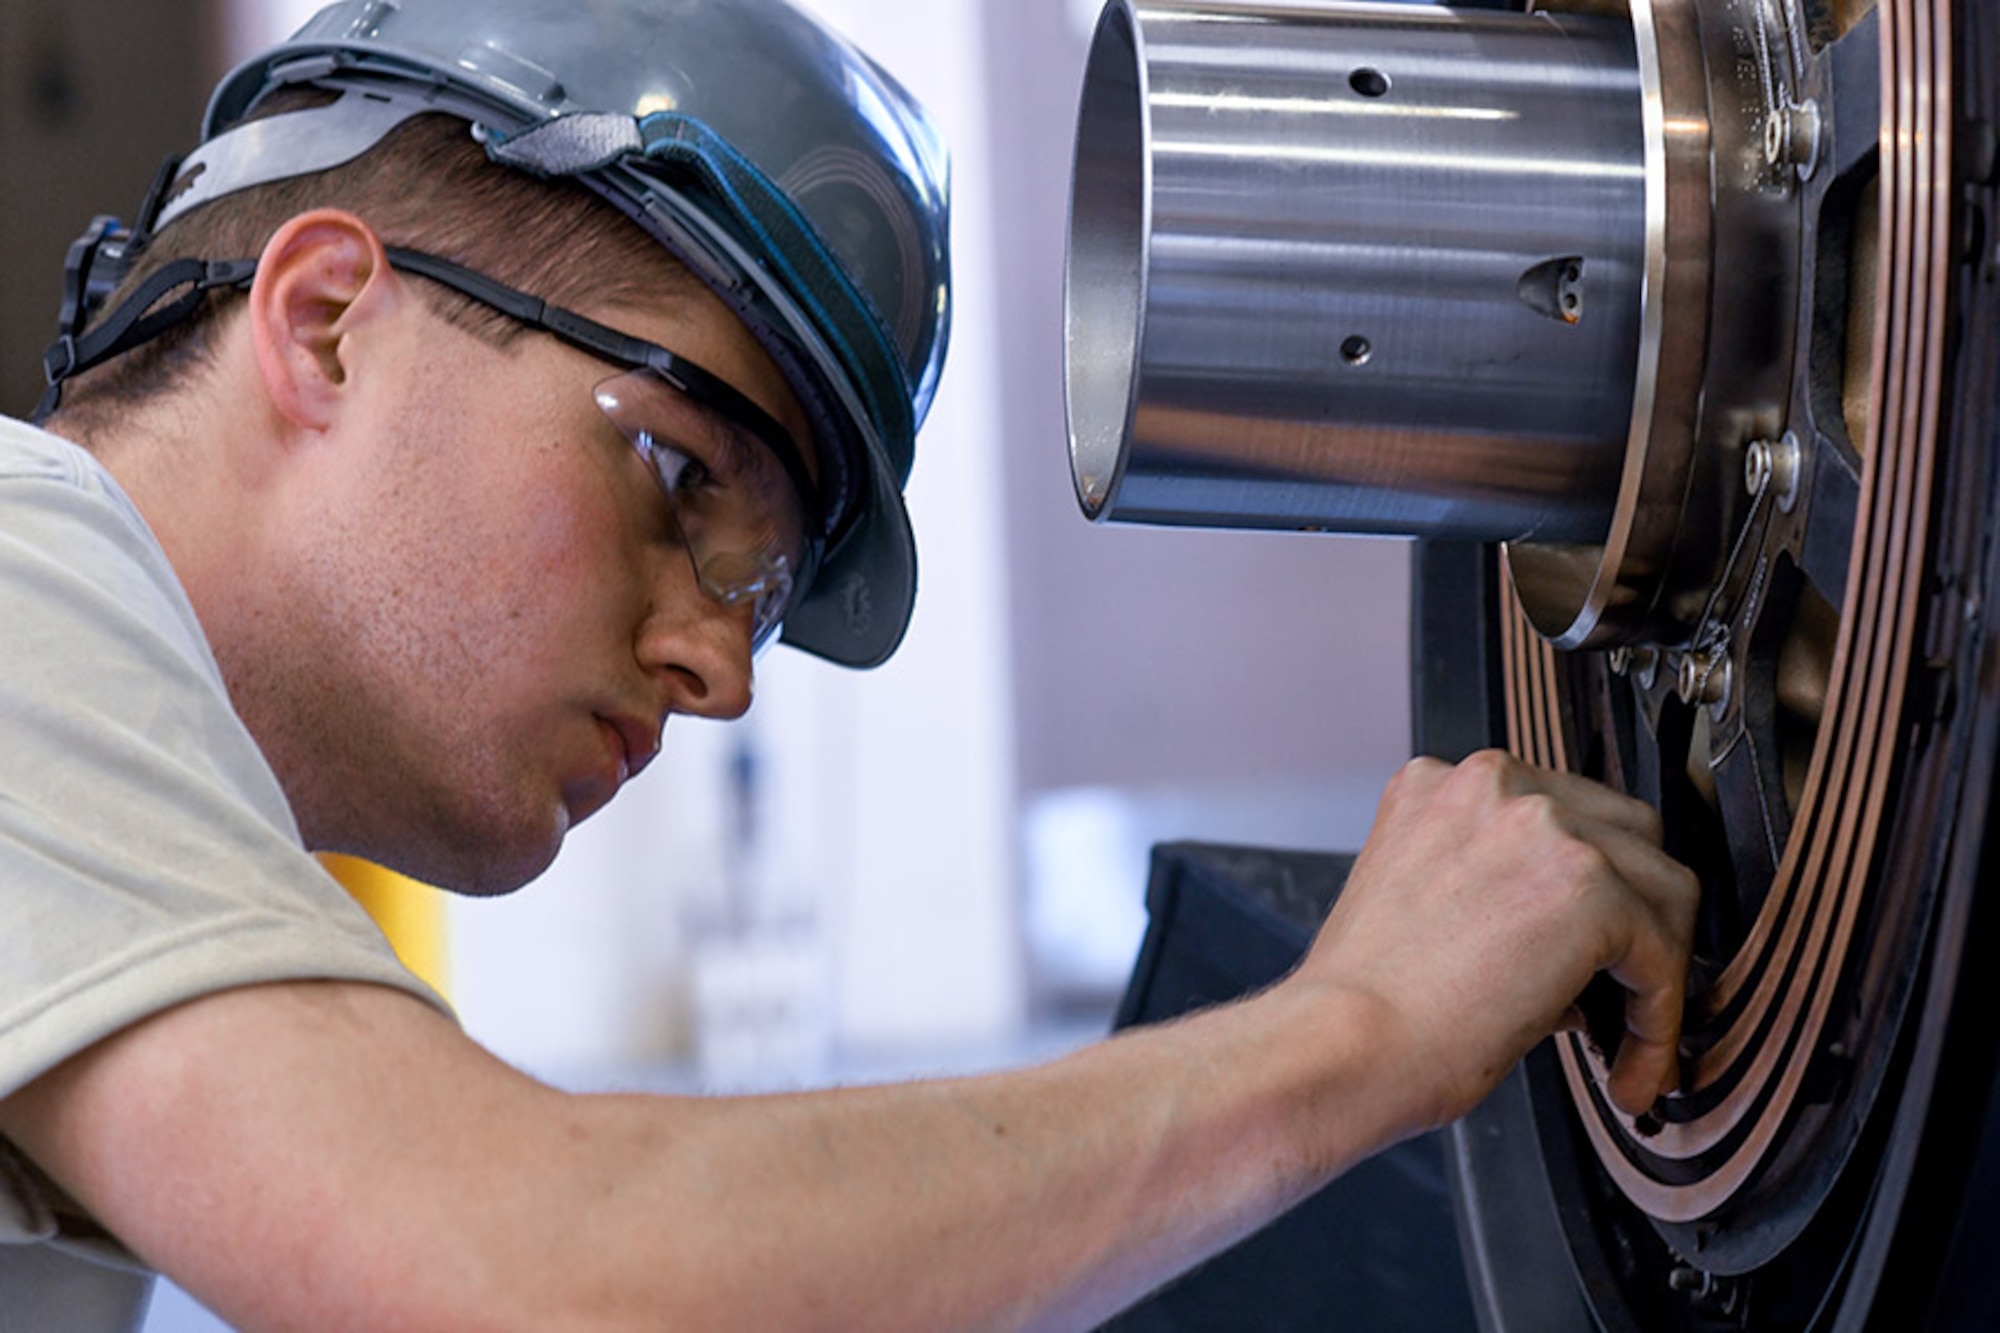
739	513
763	584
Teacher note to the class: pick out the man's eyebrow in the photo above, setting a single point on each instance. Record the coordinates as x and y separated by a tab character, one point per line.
731	437
722	427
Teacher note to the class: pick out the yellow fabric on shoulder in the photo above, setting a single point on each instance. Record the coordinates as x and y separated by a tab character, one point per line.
410	913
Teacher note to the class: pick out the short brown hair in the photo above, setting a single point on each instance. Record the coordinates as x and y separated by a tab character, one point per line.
427	185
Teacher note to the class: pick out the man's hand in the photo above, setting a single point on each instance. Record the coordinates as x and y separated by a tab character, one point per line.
1487	897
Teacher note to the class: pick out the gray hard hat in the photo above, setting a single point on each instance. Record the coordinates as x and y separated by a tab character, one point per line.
786	169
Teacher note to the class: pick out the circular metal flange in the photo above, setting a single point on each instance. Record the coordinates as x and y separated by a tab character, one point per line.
1584	595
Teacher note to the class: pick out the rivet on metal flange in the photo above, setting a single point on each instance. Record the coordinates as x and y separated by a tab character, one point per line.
1791	137
1704	679
1640	664
1774	465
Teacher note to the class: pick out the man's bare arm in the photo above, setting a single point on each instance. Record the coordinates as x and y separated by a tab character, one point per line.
339	1156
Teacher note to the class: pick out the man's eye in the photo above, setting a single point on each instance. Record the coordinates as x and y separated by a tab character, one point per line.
684	473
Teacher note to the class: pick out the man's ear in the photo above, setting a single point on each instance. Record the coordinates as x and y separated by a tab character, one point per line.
322	278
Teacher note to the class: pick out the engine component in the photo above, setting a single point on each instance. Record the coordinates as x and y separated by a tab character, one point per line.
1729	548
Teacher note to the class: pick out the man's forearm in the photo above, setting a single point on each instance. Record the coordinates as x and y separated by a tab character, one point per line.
1047	1197
365	1166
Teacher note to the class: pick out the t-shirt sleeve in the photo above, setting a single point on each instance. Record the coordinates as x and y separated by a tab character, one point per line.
147	853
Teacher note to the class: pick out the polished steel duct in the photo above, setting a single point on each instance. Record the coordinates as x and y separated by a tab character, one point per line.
1366	268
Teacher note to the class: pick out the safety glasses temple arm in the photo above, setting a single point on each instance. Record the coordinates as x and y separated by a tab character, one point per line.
607	343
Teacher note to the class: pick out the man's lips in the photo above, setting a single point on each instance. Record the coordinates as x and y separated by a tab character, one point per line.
629	744
639	740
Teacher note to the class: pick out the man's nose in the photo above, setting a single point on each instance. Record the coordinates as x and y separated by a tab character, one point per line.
699	648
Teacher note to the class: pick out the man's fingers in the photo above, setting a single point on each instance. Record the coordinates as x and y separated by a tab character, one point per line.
1669	886
1653	972
1593	801
1653	939
1644	1072
1492	774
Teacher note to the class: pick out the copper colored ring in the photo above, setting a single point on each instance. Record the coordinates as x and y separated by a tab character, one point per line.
1768	1010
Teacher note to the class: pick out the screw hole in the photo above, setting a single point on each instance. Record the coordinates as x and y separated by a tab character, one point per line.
1368	82
1355	350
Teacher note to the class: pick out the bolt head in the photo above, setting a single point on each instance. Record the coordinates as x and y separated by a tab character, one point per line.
1703	679
1757	466
1791	137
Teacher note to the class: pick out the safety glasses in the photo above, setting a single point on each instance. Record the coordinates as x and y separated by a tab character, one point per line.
734	479
739	512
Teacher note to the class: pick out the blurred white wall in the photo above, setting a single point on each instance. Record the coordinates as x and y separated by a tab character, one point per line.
252	25
1230	686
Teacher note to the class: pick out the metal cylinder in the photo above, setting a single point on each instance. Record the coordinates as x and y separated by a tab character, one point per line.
1365	268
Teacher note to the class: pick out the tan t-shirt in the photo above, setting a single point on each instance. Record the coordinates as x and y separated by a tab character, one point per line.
147	853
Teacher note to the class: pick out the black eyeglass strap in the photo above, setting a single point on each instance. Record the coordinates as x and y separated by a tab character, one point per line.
99	259
607	343
136	321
